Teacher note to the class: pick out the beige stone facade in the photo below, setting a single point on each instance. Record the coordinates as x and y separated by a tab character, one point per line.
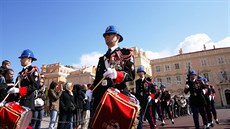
55	72
214	64
82	76
140	59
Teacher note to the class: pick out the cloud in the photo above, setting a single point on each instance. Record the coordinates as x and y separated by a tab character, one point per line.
155	55
191	43
89	59
196	43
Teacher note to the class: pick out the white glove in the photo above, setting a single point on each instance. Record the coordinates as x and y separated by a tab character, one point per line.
156	100
118	91
110	73
13	90
149	98
204	91
2	104
210	97
167	103
186	86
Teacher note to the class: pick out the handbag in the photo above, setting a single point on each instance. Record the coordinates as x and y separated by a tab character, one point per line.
38	102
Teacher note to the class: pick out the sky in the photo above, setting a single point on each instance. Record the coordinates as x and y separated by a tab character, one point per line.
70	31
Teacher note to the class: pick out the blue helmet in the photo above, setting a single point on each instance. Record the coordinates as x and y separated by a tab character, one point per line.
192	72
205	80
162	86
28	54
200	77
140	69
112	30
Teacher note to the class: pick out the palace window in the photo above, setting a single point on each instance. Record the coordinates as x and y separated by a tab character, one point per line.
158	68
188	64
220	60
178	79
44	70
159	80
167	68
203	62
177	66
168	79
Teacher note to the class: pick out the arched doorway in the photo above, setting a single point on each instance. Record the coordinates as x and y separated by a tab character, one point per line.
227	95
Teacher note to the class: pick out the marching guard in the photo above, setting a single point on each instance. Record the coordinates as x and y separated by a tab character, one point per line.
114	69
143	91
156	107
210	98
197	101
165	104
28	79
116	66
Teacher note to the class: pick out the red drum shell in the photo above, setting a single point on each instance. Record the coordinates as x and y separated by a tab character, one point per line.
116	110
15	116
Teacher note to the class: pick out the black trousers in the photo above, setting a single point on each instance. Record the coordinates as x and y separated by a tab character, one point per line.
196	110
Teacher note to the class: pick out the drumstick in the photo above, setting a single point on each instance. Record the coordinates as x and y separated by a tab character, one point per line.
8	93
98	83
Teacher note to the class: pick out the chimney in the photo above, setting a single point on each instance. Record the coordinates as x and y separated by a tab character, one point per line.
180	51
204	47
214	47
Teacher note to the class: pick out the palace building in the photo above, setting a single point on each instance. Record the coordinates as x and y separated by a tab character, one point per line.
213	64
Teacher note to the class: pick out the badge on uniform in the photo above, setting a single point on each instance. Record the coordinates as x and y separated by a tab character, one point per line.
132	59
36	79
35	73
133	67
104	83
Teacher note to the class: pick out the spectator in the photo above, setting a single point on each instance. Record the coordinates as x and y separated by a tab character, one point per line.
176	106
54	94
40	98
182	108
46	105
67	107
5	65
86	106
9	73
79	100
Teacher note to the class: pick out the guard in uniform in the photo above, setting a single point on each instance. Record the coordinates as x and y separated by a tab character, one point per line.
143	91
208	101
165	103
210	97
29	80
196	99
115	68
156	107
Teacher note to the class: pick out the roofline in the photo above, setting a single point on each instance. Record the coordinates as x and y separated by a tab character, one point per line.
191	53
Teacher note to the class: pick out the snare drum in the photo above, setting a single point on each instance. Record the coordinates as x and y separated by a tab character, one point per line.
15	116
116	110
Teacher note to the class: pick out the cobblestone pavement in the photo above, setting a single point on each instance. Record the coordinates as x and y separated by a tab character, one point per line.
184	122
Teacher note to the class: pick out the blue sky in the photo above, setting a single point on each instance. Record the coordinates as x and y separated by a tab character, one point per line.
70	31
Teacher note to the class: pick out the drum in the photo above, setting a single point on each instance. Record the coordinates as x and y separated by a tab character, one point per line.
116	111
14	116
